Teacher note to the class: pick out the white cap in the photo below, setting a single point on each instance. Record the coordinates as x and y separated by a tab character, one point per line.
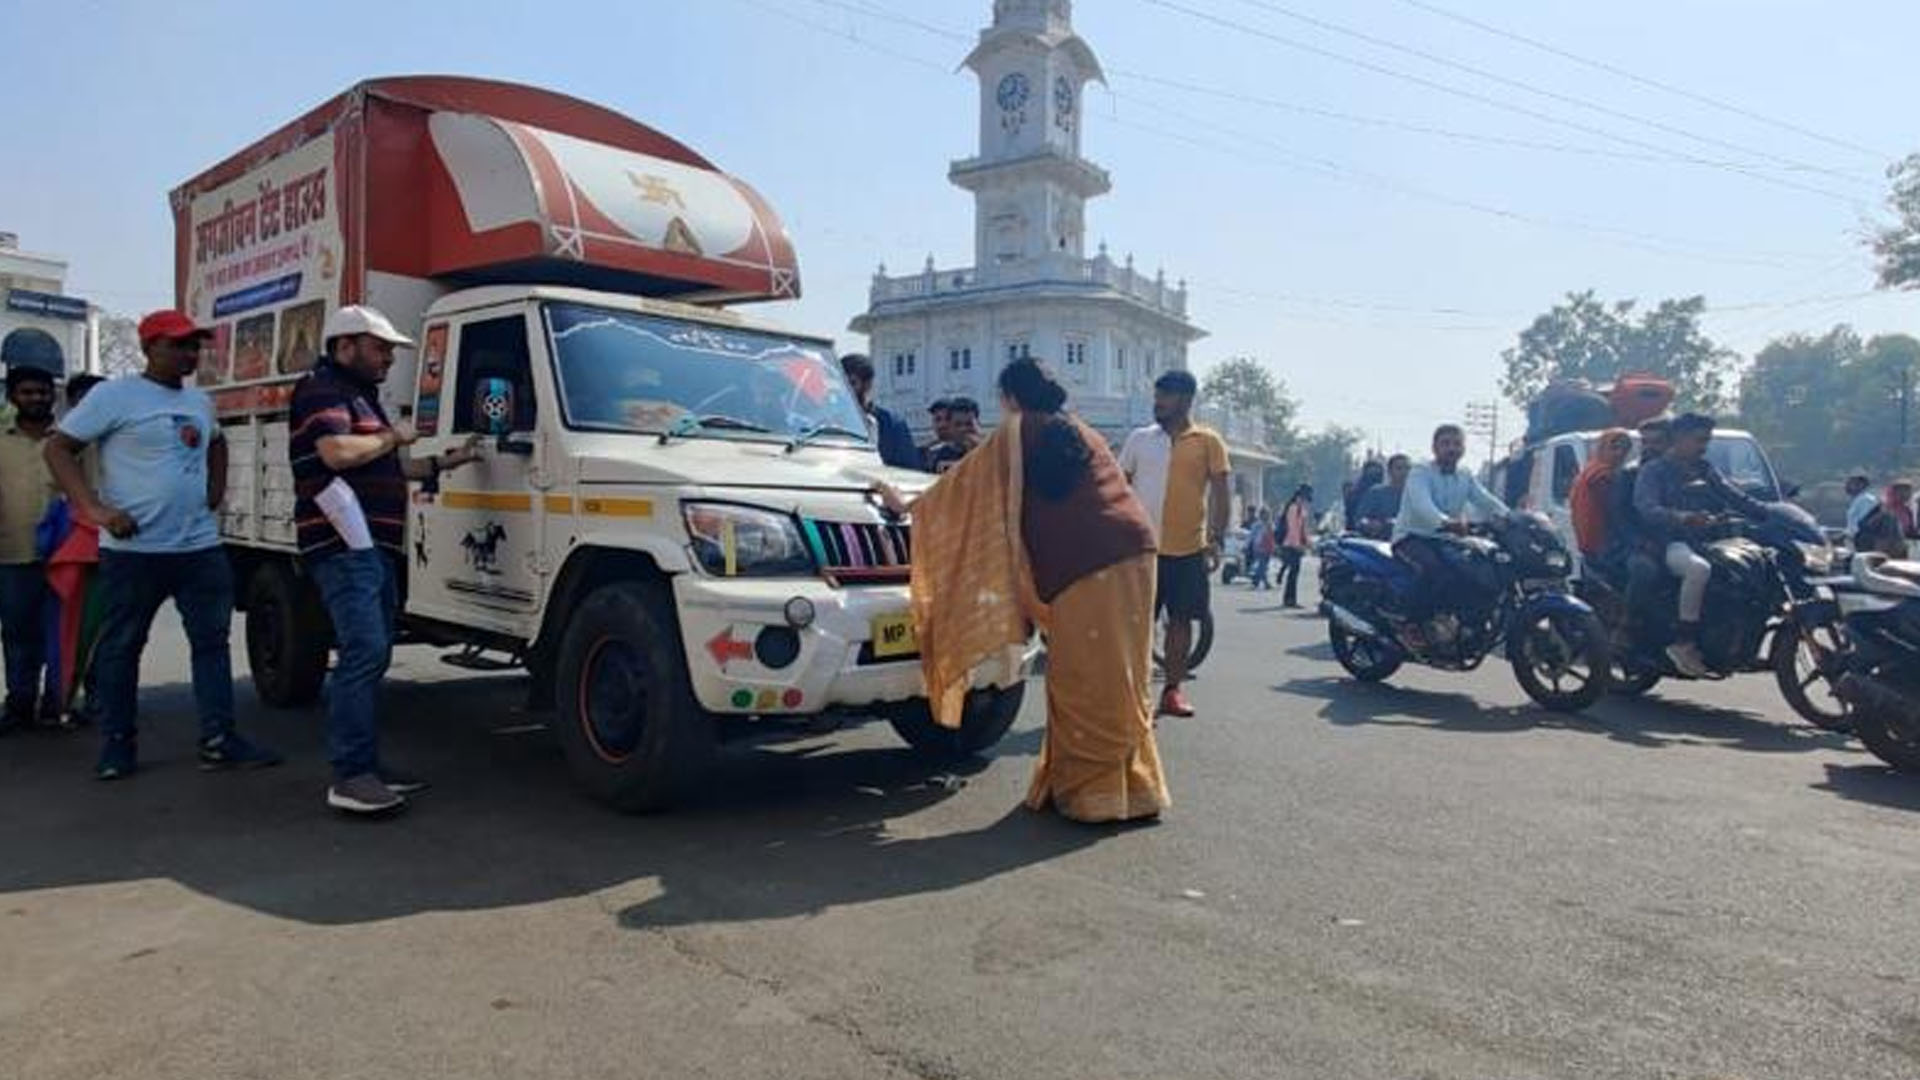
358	319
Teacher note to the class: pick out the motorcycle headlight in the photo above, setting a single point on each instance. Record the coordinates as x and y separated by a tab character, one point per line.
1818	558
1556	561
740	541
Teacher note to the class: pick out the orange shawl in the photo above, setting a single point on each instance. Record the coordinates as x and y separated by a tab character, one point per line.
973	594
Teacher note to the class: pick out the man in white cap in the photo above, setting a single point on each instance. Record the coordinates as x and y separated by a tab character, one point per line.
350	488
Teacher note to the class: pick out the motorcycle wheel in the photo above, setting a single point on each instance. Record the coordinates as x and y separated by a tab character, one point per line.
1562	660
1366	659
1796	661
1887	739
1624	681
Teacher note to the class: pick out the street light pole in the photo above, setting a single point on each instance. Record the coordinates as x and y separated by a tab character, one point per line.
1483	418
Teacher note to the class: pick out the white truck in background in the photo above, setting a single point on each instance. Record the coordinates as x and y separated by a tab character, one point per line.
671	523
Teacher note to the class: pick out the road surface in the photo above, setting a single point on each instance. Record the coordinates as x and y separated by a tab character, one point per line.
1424	880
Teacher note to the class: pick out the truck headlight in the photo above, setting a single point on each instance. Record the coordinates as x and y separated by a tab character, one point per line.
741	541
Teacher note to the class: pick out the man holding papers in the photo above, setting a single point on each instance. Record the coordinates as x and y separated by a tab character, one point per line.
350	484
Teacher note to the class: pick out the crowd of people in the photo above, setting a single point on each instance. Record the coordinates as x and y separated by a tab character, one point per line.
111	510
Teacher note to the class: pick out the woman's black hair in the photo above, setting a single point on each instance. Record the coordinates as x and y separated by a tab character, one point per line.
1060	460
1032	387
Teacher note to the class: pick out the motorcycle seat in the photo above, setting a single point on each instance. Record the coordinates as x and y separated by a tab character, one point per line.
1892	577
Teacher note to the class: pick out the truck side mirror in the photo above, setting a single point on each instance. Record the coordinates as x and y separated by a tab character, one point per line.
493	412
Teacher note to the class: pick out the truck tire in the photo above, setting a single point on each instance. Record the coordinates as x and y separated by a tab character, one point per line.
634	736
288	637
987	715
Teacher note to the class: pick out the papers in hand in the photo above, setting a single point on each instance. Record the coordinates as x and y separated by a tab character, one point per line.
342	508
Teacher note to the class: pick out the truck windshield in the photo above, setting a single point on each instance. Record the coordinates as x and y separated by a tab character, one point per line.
627	371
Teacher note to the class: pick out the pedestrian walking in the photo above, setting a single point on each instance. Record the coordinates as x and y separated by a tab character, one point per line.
1260	546
350	491
163	475
1179	470
1862	502
26	492
1296	535
1039	525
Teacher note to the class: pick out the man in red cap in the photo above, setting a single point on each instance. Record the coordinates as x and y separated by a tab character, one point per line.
163	474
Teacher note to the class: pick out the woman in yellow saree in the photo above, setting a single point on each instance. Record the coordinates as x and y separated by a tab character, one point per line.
1039	526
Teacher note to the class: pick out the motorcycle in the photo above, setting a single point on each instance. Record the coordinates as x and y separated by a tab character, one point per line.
1882	680
1553	640
1769	607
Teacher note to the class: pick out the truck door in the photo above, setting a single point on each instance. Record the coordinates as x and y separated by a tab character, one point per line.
474	545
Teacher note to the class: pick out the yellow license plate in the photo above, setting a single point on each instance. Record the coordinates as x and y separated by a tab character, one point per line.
893	636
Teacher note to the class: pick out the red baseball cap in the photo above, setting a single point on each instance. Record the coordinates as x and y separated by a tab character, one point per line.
171	325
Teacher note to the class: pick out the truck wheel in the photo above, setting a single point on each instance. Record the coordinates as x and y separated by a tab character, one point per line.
634	736
288	637
984	721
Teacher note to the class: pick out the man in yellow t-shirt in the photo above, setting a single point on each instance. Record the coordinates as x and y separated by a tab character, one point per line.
1179	470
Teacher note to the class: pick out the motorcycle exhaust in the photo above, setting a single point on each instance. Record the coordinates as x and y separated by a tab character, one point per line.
1865	692
1351	623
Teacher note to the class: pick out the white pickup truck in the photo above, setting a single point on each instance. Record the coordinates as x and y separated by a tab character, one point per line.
671	522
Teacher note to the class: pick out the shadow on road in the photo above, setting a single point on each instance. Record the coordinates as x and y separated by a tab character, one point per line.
1876	784
789	827
1651	722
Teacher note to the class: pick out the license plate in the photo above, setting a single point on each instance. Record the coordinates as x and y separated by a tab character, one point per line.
893	636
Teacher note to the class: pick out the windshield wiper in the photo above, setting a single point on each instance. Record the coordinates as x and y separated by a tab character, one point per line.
819	430
690	423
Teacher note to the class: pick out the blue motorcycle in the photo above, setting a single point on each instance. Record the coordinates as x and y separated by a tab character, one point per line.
1515	574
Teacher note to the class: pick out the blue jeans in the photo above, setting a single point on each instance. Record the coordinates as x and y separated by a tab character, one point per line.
26	601
362	595
134	584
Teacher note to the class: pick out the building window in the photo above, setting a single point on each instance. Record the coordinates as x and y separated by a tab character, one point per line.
1120	358
1076	353
1018	350
904	364
960	359
1152	360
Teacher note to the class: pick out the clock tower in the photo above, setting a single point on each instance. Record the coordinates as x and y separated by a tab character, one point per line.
1029	183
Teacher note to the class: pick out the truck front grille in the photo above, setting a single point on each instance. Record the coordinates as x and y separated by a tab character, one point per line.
861	552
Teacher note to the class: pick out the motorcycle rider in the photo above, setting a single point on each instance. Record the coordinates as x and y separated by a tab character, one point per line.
1676	498
1629	549
1439	500
1378	508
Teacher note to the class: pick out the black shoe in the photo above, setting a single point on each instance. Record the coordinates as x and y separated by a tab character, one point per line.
230	751
364	794
119	759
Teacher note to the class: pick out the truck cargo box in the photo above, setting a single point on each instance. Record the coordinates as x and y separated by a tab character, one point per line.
401	189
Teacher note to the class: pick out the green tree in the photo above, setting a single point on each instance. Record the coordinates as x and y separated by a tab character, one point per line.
120	345
1245	386
1585	338
1897	246
1826	405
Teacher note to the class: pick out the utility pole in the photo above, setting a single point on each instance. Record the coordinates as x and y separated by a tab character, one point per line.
1906	395
1483	418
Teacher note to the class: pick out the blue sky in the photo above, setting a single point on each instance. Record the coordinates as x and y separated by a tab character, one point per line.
1377	268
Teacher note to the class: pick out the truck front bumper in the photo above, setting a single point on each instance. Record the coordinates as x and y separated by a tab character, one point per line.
745	656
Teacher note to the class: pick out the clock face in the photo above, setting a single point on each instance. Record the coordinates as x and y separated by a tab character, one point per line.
1012	92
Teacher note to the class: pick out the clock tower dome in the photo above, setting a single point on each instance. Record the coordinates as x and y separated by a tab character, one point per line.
1030	184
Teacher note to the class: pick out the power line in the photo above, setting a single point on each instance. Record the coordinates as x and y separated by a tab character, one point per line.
1409	126
1656	84
1520	84
1493	102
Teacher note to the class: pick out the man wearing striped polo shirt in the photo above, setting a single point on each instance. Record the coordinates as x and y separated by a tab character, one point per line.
350	487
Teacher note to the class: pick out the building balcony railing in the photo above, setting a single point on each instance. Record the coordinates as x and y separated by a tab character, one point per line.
1151	290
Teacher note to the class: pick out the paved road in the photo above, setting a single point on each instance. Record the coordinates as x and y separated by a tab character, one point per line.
1424	880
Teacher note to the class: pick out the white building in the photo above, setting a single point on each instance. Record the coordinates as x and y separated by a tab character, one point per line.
38	322
1104	328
